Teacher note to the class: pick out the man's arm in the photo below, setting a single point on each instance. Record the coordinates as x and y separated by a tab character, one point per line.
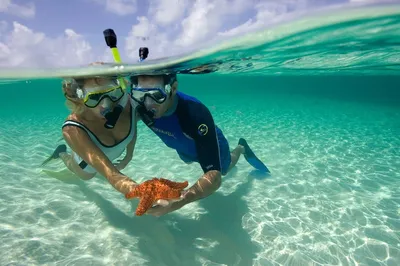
204	133
207	184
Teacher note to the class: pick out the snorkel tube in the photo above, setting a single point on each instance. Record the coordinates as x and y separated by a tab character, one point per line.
112	117
111	41
143	53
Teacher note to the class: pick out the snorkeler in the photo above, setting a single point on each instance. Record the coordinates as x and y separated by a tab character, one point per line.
185	124
101	125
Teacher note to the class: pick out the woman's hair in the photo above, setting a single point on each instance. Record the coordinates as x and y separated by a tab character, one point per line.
69	87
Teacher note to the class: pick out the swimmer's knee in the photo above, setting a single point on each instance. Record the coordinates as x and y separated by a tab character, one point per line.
79	173
86	178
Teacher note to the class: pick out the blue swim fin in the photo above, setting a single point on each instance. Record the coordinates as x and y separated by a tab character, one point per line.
251	158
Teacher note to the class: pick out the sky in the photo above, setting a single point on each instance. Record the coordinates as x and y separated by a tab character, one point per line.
50	33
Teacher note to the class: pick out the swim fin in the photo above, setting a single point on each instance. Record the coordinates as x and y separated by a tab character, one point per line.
251	158
56	154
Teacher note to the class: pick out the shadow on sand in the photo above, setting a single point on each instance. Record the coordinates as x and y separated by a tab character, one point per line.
174	240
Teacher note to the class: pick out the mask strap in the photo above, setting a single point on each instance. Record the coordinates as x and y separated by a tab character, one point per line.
124	100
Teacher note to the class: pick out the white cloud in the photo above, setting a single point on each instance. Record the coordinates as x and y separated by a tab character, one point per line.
167	12
146	33
167	29
22	10
119	7
24	47
4	53
207	17
199	23
267	12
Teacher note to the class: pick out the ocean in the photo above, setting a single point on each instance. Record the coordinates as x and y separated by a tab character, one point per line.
319	106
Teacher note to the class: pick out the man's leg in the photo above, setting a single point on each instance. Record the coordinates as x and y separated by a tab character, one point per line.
251	158
235	155
185	159
228	158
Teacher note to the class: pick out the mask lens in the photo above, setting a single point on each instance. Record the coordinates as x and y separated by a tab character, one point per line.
158	95
138	95
114	94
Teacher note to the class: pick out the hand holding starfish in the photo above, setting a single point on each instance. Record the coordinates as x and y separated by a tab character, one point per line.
150	191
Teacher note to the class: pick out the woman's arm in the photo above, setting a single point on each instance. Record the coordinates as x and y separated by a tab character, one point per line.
79	141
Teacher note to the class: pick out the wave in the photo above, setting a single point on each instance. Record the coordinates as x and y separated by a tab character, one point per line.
346	39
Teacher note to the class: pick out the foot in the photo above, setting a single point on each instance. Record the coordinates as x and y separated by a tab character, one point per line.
60	149
56	154
251	158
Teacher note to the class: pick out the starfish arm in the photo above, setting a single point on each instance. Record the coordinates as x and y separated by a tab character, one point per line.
168	193
134	193
145	203
172	184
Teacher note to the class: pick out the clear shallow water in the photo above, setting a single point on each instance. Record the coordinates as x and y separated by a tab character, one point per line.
333	197
331	142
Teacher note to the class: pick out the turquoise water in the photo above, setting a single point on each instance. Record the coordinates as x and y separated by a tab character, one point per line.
331	142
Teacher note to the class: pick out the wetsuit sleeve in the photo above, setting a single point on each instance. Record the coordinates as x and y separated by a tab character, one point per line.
204	134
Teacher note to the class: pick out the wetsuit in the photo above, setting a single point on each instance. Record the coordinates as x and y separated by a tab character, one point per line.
191	131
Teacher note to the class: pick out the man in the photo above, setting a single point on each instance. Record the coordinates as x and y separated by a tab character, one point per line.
185	124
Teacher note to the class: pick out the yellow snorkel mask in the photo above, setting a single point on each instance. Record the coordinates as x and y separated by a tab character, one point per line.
114	92
93	96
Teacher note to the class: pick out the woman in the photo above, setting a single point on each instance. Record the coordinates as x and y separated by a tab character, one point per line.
92	102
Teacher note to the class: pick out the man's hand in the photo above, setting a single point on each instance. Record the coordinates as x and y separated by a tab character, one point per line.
166	206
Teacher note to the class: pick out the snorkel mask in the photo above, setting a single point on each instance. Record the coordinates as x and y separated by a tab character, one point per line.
107	95
159	95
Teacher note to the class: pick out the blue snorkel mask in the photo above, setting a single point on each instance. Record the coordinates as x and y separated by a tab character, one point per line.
157	94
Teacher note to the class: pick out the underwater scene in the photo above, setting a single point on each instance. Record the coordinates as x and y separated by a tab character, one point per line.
311	102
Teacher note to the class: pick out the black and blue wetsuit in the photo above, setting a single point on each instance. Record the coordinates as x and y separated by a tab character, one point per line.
191	131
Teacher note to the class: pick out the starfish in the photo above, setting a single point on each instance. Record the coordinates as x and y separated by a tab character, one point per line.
155	189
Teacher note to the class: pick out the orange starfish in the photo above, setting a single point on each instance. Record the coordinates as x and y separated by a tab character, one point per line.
152	190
